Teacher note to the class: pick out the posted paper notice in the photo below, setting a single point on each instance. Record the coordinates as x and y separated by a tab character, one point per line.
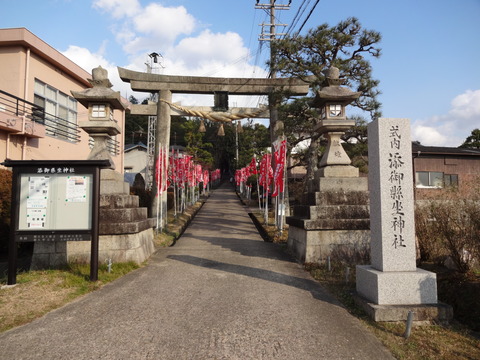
76	189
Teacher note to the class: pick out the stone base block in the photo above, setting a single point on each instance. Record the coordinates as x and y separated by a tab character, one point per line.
430	313
120	248
114	187
397	287
338	171
112	182
315	245
119	201
111	175
336	184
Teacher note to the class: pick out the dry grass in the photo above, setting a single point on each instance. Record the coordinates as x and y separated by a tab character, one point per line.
452	342
427	341
271	231
28	300
38	292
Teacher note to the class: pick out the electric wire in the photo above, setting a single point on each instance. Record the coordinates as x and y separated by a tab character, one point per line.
308	17
260	49
297	16
256	54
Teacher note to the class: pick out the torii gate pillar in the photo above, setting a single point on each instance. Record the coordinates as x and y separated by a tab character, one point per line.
162	136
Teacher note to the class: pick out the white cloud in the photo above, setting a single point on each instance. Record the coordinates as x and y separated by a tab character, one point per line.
85	58
467	105
88	61
159	28
178	37
207	46
164	22
153	28
211	54
452	128
429	136
123	33
118	8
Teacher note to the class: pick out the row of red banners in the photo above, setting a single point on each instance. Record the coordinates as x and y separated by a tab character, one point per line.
180	170
266	174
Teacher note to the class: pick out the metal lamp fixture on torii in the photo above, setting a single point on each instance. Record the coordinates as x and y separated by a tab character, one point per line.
332	100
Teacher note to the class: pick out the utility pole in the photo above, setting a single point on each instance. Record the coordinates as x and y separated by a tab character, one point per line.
276	125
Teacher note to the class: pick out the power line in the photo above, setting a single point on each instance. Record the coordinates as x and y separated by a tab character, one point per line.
308	17
298	15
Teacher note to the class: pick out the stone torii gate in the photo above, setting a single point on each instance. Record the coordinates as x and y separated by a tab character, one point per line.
166	85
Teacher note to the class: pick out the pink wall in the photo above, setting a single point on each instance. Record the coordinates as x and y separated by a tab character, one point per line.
24	58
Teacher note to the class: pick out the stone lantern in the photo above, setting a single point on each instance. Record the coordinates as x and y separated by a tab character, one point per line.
126	232
101	101
334	213
332	100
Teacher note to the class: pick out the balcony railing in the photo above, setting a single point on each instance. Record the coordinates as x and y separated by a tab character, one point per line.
61	128
14	105
113	146
54	125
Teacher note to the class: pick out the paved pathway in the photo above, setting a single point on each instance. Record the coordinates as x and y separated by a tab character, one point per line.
220	293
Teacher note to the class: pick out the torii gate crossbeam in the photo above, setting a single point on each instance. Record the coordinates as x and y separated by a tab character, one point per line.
147	82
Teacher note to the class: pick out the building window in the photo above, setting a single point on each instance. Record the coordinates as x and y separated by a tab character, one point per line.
450	180
433	179
60	111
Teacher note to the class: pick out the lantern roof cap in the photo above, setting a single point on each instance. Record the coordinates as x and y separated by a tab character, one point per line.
100	92
332	91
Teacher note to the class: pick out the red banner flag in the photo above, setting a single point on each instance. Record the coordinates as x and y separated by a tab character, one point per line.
280	156
252	168
161	170
266	171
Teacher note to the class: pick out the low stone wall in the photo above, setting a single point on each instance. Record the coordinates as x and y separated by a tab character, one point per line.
315	246
119	248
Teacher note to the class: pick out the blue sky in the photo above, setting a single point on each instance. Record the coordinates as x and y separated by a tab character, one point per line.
428	70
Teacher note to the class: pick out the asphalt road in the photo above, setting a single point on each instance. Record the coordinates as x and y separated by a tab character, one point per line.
220	293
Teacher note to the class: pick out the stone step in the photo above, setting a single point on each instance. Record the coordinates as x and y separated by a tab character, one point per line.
122	215
329	224
332	211
126	227
117	201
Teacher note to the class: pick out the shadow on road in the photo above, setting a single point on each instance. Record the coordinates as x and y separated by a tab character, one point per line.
305	284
